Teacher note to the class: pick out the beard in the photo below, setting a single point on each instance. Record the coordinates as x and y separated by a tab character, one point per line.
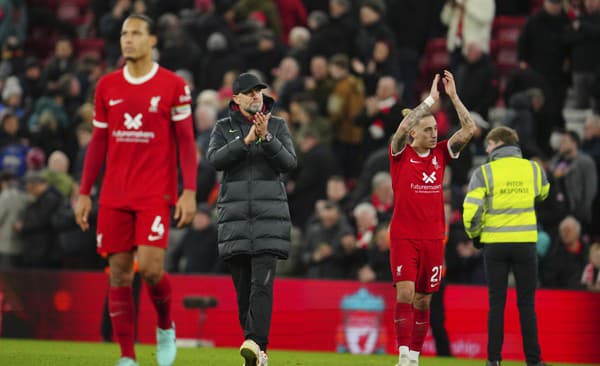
254	108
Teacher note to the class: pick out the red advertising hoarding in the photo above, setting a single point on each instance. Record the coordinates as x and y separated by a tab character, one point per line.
343	316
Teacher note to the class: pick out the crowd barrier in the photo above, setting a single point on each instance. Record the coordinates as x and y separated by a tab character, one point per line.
342	316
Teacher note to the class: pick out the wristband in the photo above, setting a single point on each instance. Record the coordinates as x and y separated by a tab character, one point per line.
429	101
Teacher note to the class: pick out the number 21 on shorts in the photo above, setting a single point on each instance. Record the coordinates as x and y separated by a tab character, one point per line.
436	276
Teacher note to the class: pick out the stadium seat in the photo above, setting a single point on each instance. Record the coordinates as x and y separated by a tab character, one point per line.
507	28
90	46
202	303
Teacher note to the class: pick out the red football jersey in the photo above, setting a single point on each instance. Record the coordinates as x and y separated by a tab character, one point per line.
141	161
418	192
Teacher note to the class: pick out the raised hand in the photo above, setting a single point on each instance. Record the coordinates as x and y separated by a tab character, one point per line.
449	84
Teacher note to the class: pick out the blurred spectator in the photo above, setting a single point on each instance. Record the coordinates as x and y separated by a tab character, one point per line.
10	133
476	81
542	47
287	81
344	104
77	247
110	26
260	47
467	22
62	62
57	173
298	47
35	159
308	182
380	116
365	217
464	262
265	9
177	49
12	97
477	145
337	192
336	36
292	13
382	62
378	254
590	277
323	243
12	206
318	83
305	114
520	116
84	136
12	58
207	179
35	228
13	147
563	266
13	20
382	195
583	37
591	146
575	174
411	23
197	251
377	162
205	117
372	28
53	104
220	57
31	83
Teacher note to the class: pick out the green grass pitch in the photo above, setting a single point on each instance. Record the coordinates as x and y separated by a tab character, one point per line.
53	353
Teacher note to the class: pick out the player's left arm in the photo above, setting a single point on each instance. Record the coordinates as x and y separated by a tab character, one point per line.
467	127
181	115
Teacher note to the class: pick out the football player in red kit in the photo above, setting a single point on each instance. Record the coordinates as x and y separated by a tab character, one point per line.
142	122
417	226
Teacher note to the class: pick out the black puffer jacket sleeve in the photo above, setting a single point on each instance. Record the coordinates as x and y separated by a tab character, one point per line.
221	153
279	152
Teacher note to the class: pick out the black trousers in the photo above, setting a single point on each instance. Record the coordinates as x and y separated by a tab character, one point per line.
437	321
253	278
521	258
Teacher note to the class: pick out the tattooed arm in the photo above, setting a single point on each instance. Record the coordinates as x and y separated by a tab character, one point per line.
467	127
411	119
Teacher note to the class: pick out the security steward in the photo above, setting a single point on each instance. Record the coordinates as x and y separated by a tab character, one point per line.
499	215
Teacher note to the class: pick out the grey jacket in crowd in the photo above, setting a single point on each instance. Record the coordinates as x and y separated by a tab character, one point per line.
253	213
581	184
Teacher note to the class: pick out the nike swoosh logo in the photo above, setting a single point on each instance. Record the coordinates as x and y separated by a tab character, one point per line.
112	315
415	161
232	131
114	102
154	237
421	323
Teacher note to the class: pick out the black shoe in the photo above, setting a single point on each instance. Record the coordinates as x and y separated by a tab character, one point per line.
493	363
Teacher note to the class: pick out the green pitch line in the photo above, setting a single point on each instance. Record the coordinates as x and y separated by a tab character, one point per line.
15	352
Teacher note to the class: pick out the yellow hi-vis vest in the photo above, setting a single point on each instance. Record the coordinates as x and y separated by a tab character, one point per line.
499	206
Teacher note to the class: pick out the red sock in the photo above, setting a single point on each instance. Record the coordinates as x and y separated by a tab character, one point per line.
403	320
122	315
160	294
420	329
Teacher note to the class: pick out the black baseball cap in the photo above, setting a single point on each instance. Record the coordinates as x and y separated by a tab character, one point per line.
246	82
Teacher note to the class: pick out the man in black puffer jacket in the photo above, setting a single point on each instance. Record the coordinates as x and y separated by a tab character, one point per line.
252	149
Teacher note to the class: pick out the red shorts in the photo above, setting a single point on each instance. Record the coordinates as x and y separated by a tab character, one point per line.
419	261
122	230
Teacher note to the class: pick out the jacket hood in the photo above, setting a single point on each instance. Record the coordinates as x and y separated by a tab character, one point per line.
505	151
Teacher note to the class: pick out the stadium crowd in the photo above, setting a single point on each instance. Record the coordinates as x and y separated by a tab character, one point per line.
341	72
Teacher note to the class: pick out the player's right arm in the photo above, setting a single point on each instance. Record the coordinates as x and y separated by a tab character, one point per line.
400	137
94	160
